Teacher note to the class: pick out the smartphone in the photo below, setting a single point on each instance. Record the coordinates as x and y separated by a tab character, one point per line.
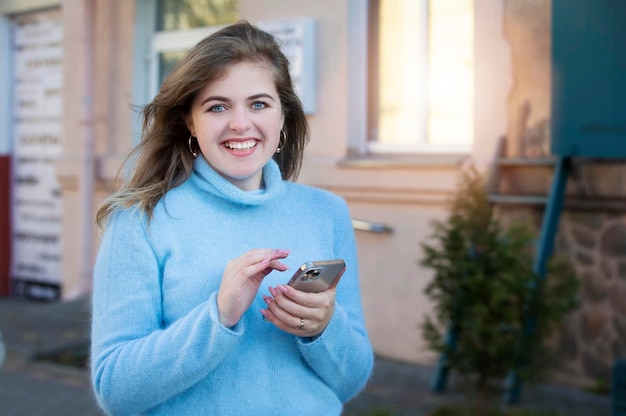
317	276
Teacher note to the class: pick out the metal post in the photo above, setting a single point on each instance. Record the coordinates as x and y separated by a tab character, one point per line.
544	251
440	375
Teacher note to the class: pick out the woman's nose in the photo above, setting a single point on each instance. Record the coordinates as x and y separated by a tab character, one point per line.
239	121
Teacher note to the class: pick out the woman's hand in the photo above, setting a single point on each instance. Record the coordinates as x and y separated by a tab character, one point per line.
241	281
299	313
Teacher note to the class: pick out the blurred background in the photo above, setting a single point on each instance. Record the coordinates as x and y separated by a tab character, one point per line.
401	96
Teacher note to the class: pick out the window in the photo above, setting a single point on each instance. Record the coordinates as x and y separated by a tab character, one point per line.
164	31
182	24
420	76
189	14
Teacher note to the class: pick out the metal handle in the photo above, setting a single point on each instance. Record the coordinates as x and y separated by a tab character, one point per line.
371	227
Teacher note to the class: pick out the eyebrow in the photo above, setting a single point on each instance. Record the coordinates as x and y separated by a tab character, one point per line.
226	99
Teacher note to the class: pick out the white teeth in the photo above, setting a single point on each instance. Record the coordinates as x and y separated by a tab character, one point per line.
241	145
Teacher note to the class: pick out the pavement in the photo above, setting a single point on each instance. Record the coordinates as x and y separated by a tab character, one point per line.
31	385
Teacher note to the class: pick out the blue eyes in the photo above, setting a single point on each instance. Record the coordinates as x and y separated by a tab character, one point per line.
218	108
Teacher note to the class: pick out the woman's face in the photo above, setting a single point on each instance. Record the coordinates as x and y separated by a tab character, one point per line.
237	120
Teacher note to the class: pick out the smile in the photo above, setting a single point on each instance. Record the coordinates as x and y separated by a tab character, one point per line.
247	145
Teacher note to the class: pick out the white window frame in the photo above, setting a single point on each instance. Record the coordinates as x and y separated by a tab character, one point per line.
359	135
173	41
148	44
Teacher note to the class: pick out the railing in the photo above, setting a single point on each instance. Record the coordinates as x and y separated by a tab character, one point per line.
371	227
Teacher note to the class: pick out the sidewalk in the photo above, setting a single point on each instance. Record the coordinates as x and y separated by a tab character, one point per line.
29	387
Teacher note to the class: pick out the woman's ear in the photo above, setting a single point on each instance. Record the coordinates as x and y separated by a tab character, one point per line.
188	122
189	125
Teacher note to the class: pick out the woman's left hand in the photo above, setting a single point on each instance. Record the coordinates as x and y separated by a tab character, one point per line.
299	313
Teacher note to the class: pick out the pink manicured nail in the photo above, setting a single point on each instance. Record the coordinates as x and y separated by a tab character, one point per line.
272	291
264	313
283	288
268	300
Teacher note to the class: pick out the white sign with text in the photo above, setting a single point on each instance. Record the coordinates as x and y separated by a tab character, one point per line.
297	41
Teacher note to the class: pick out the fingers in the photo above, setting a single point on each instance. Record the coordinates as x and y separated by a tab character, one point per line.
300	326
288	308
298	303
241	280
258	261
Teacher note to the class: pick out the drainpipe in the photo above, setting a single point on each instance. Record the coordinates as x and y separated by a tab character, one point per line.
86	177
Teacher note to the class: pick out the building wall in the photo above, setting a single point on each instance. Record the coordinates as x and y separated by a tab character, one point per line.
593	224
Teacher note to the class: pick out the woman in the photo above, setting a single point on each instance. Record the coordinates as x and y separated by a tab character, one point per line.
191	311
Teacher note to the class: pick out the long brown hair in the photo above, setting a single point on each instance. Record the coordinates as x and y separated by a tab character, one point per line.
162	160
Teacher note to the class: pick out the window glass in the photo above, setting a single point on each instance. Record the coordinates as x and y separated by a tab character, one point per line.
167	62
188	14
401	72
451	72
421	74
180	25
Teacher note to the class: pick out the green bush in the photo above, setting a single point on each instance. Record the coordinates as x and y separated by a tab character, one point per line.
485	286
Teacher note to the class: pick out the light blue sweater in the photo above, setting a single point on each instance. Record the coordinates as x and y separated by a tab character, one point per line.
157	344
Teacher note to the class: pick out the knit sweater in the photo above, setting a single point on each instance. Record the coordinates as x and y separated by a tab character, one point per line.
157	345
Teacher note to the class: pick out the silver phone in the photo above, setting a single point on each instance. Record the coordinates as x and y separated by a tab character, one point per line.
317	276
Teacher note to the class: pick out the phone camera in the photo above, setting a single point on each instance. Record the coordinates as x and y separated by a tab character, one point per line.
311	274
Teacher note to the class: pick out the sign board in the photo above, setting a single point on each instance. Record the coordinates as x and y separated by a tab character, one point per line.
297	41
37	126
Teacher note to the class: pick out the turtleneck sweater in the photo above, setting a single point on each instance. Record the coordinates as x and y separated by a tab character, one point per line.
157	345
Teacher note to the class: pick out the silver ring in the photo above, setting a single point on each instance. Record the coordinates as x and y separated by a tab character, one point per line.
301	324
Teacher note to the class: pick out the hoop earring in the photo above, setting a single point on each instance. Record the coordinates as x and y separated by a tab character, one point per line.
282	141
193	152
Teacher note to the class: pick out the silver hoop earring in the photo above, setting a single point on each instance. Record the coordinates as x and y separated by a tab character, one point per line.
193	152
282	141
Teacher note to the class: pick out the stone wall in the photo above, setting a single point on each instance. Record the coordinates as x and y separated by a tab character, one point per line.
595	335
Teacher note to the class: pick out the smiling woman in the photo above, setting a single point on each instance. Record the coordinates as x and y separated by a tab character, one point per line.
189	303
237	121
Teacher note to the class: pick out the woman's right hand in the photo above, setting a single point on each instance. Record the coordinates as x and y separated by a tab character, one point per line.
241	280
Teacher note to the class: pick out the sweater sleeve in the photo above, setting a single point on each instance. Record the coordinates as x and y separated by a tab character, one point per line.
342	355
136	362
